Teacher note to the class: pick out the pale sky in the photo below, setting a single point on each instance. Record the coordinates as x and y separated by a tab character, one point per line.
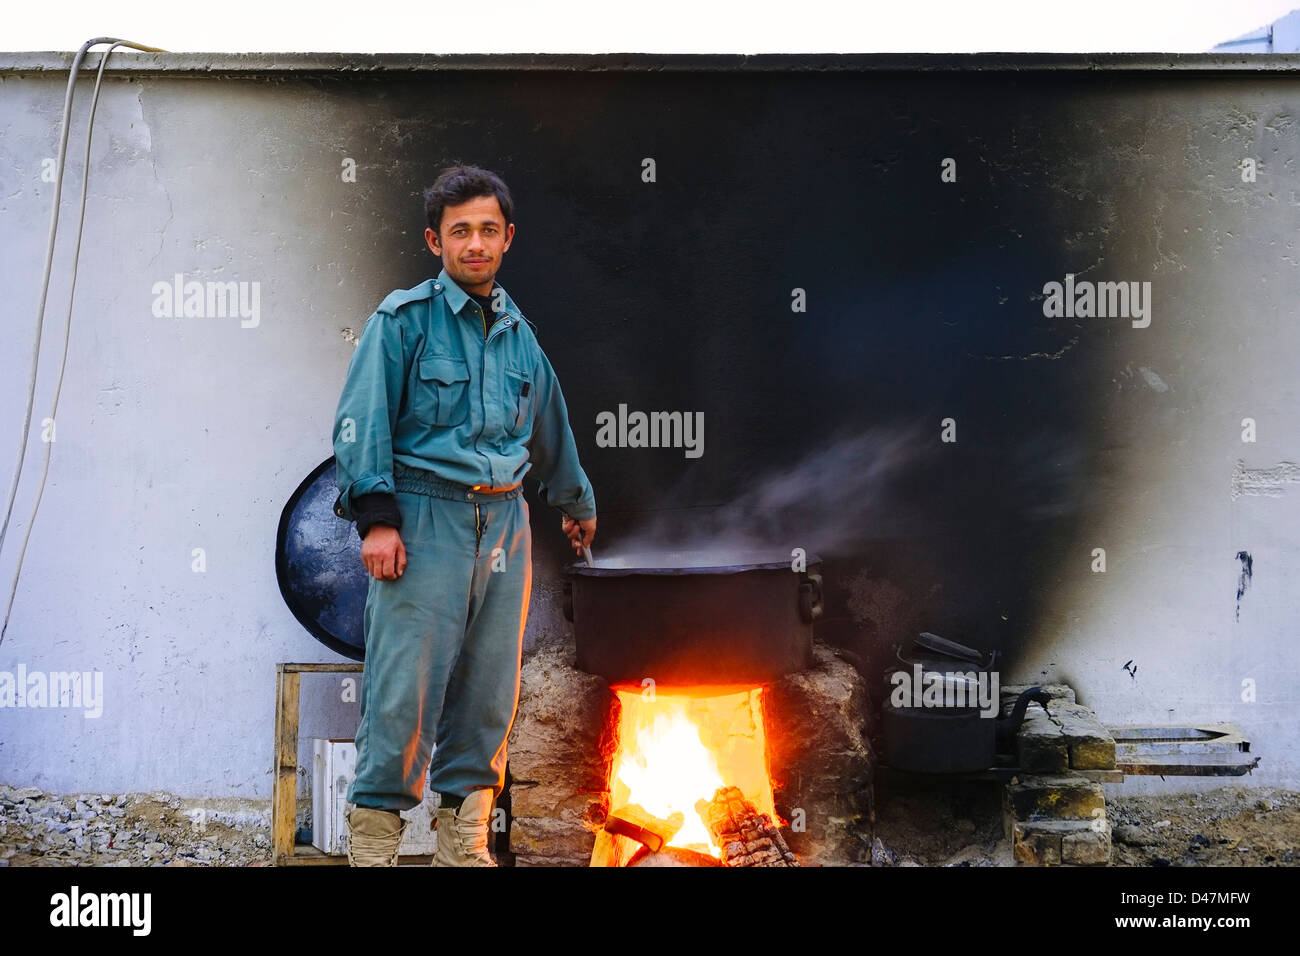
651	26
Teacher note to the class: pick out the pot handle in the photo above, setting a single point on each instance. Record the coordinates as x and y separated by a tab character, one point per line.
567	602
810	598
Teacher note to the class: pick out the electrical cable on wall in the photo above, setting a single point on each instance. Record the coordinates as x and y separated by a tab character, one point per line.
45	288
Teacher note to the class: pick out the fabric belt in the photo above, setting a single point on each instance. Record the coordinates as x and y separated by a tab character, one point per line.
421	482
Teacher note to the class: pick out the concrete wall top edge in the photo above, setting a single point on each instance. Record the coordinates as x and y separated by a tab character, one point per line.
226	64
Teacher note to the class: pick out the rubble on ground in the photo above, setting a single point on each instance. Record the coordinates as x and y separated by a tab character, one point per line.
137	829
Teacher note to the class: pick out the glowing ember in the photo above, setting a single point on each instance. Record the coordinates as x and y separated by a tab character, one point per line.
679	747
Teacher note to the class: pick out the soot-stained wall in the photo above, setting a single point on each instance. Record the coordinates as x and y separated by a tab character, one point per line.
842	271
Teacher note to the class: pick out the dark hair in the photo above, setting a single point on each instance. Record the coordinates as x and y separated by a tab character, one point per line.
458	184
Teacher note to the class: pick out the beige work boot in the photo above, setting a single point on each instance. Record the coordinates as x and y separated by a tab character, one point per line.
374	836
463	835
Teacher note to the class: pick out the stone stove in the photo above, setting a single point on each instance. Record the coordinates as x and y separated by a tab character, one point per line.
563	747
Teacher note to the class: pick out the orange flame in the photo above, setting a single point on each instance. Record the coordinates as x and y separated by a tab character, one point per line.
680	746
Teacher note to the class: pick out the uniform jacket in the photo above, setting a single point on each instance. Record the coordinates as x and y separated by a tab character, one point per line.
425	388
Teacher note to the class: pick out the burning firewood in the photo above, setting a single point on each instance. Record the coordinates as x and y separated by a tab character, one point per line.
635	822
747	837
672	856
629	830
610	849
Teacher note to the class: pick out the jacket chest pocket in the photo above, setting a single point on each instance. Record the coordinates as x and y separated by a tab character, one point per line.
441	396
518	401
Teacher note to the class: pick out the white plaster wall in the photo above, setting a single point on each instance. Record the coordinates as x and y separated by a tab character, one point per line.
1223	346
177	434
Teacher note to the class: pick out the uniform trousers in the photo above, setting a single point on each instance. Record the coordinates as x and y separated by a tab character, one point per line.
444	643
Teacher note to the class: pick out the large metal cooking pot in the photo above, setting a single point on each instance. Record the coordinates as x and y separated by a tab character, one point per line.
685	618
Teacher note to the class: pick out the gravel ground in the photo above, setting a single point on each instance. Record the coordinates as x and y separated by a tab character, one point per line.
960	824
1224	827
933	824
137	829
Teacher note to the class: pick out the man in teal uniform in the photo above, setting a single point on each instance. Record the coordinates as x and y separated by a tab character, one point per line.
449	401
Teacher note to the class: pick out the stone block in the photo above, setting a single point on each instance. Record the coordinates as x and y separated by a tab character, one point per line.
1055	797
1089	847
566	725
1036	845
1041	746
1057	842
539	837
1090	744
820	759
561	803
552	861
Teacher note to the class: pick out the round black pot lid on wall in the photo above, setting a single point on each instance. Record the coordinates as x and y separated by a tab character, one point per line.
318	565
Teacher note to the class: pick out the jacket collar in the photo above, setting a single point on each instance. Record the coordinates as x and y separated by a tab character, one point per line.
457	297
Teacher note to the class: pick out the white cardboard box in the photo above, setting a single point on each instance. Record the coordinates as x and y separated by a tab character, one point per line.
333	767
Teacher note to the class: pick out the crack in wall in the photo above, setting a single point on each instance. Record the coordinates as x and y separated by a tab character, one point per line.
153	168
1032	355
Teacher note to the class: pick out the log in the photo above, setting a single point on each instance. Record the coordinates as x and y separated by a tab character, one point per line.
611	849
747	837
636	823
672	856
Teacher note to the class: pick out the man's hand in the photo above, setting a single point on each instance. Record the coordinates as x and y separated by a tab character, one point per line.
383	553
580	532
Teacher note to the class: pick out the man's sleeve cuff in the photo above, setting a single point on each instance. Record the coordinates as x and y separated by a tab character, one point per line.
582	511
346	505
378	507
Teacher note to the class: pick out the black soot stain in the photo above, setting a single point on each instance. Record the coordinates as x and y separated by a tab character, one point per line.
1243	580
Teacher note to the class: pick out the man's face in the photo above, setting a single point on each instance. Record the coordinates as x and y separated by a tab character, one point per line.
471	242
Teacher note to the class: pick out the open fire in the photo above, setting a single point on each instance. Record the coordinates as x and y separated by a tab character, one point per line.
606	772
678	750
